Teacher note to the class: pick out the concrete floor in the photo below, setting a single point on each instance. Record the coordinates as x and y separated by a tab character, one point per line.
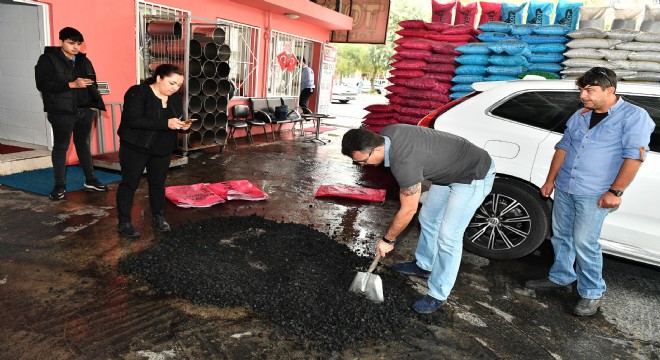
61	296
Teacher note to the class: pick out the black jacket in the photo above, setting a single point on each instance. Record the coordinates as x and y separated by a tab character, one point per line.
143	116
53	73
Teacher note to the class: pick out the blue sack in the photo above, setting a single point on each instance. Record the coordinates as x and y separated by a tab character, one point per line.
545	57
457	95
538	13
470	70
522	29
547	48
545	39
501	78
462	88
552	30
508	60
568	13
496	26
506	70
547	67
495	37
512	13
474	48
467	79
473	59
511	47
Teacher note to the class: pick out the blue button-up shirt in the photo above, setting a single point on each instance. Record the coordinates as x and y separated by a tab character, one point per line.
307	78
594	156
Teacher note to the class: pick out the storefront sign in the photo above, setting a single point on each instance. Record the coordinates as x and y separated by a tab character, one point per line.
369	21
324	88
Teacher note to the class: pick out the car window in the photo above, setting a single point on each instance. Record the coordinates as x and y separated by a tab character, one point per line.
652	105
543	109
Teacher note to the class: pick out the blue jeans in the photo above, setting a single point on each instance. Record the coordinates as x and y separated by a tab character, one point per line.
576	224
445	215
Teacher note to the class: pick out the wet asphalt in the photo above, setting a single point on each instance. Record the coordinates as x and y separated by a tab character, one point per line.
66	291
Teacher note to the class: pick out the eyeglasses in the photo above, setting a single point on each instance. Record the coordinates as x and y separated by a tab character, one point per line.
600	70
364	162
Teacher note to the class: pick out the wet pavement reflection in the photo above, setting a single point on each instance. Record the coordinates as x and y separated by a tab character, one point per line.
63	296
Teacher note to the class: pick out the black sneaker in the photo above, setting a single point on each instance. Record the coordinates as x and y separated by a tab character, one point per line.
58	192
127	229
95	185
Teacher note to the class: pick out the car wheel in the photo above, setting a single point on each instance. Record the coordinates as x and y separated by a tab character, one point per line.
512	222
343	101
378	91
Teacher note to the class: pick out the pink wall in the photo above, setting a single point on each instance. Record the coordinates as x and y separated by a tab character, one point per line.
109	31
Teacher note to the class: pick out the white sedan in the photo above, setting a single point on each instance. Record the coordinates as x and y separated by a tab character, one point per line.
343	93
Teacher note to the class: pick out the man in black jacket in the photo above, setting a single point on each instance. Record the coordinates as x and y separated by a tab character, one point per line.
67	82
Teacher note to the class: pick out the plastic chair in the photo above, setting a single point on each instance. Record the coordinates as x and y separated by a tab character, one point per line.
242	114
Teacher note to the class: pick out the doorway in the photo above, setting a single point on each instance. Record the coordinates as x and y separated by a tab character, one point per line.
23	35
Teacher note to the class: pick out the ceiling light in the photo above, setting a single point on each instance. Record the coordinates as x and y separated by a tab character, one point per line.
292	16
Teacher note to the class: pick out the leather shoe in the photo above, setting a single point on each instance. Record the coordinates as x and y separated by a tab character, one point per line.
586	307
428	304
411	268
546	284
160	223
127	229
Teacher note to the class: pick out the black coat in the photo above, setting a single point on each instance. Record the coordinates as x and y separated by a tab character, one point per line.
53	73
143	116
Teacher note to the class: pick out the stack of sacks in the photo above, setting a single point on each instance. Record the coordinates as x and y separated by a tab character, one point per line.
633	55
546	44
423	68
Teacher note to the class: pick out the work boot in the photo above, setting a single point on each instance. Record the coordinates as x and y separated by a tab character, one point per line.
586	307
411	268
95	185
58	192
160	223
546	284
127	229
428	304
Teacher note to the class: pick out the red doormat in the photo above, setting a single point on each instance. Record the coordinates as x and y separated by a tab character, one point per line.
9	149
321	130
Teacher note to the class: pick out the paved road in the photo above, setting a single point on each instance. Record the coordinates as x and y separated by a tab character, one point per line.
352	114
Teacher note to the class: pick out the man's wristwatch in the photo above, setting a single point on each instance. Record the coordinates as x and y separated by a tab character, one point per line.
391	242
617	193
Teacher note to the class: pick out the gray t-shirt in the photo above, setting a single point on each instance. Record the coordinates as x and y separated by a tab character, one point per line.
418	153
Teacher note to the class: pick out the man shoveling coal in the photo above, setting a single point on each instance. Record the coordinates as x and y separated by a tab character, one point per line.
461	176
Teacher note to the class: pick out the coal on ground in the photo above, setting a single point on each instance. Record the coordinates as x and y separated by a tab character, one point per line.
293	274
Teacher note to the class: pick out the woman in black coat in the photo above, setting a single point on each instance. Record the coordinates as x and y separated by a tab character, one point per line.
151	118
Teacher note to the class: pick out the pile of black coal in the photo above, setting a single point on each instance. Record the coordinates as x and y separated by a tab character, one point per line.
293	274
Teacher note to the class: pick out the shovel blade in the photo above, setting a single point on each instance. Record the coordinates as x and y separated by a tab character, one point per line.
369	285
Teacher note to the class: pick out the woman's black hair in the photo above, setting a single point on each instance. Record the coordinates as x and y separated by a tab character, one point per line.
69	33
163	70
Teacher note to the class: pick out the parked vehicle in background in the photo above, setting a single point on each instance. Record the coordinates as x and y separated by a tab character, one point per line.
380	85
519	123
343	93
366	86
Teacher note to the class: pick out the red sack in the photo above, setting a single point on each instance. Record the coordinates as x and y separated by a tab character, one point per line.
414	33
395	88
196	195
423	104
466	14
445	48
490	12
352	192
378	115
413	54
439	27
425	95
412	24
443	13
407	73
411	120
381	122
394	99
441	58
409	64
374	108
450	38
416	112
441	68
415	43
238	190
397	57
399	81
461	29
440	77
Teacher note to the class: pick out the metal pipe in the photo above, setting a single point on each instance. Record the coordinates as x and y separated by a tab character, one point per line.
208	69
209	87
221	136
223	69
195	104
194	86
208	138
223	87
209	121
195	139
194	67
209	104
210	50
197	124
212	33
221	119
195	49
158	48
221	103
164	28
224	52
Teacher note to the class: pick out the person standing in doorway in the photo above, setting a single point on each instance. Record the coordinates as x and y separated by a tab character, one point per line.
148	134
307	86
602	149
461	174
67	81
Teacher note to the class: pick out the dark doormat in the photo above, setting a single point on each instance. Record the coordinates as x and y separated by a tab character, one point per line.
10	149
296	276
41	181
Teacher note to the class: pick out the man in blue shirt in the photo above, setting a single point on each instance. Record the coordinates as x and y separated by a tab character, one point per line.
602	149
307	86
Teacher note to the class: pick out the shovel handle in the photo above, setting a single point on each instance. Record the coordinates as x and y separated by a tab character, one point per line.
374	263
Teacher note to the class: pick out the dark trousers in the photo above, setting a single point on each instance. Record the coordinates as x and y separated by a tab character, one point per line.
303	101
132	164
80	125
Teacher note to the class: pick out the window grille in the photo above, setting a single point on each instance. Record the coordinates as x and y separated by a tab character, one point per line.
284	76
243	62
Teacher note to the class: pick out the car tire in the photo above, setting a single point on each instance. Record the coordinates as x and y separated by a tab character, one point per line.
512	222
343	101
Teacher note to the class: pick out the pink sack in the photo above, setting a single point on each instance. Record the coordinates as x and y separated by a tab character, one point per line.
490	12
374	108
196	195
412	24
461	29
238	190
441	68
443	13
450	38
445	48
467	14
395	88
414	33
380	122
378	115
409	64
397	57
441	58
415	43
440	77
352	192
426	95
439	27
407	73
413	54
416	112
423	104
